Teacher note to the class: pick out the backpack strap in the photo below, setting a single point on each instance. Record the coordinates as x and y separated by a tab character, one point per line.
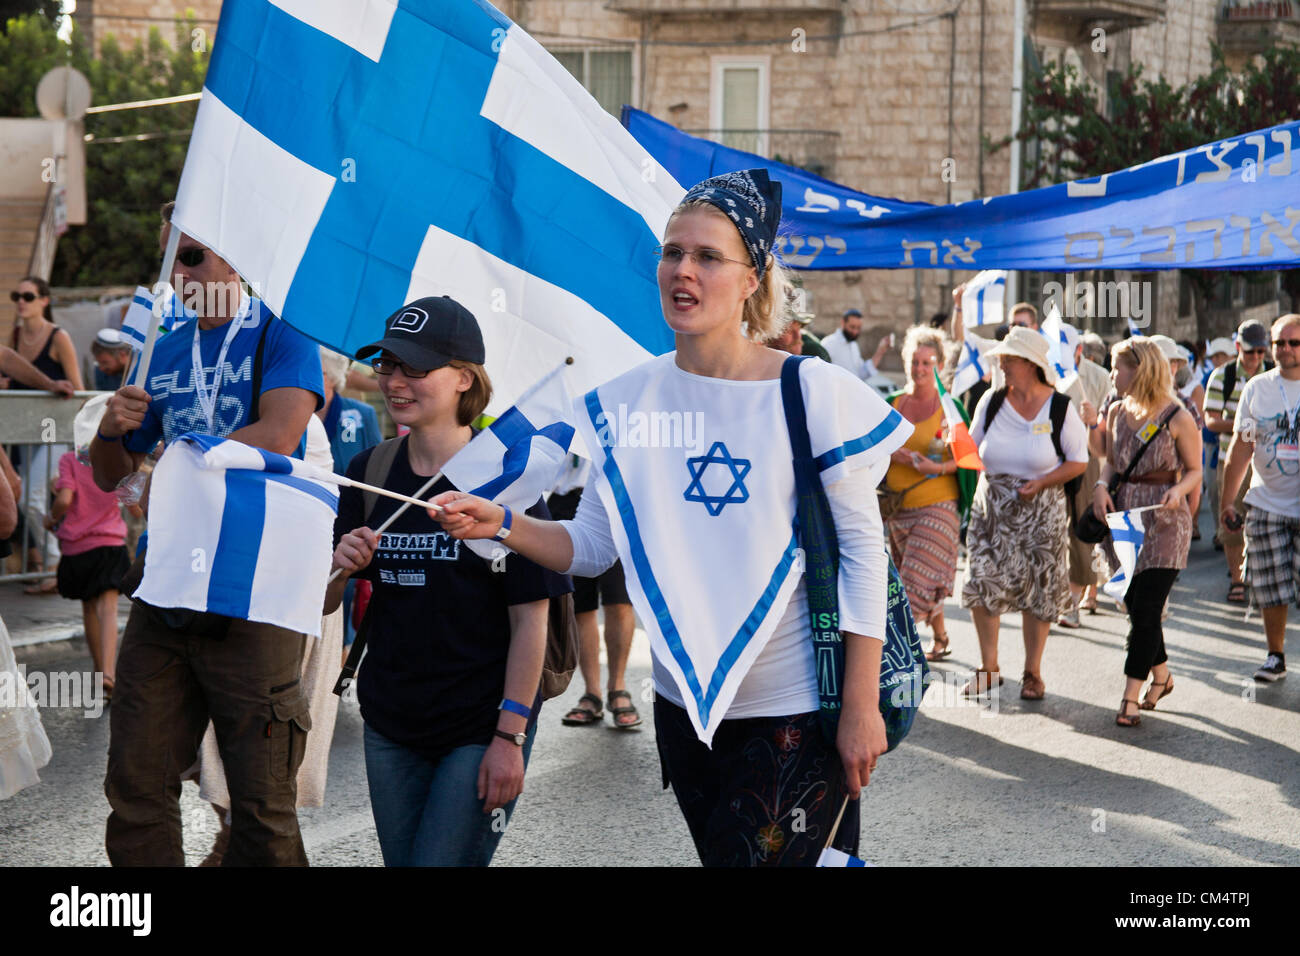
1060	405
255	413
1229	383
995	403
378	465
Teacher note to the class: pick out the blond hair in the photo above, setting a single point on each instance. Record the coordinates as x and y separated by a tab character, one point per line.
1282	321
1153	384
767	310
474	399
923	336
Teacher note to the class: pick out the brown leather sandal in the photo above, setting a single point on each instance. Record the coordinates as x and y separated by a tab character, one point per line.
1148	702
981	683
1124	718
1032	687
582	717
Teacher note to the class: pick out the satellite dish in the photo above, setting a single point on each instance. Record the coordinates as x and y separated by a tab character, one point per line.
63	94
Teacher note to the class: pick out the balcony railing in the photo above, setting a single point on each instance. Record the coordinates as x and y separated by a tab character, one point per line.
1129	13
1247	27
810	149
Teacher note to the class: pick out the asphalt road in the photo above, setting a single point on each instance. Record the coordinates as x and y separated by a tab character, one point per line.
1211	778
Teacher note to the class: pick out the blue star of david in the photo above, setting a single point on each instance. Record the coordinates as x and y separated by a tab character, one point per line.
736	494
421	155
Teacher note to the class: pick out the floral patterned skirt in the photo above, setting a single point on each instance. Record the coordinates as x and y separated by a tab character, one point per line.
766	794
1017	550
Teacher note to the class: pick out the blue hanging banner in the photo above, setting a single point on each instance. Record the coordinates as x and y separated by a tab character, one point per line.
1232	204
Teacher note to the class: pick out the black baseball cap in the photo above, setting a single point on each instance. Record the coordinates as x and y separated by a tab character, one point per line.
428	333
849	313
1252	334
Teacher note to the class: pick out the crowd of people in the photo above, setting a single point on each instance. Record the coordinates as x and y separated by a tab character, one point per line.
451	688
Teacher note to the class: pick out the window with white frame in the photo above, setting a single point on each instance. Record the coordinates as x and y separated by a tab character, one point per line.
606	74
739	102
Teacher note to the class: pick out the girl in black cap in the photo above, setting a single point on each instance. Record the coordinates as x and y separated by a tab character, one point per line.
706	532
449	690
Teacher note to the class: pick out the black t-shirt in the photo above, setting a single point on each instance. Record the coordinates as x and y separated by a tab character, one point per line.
435	663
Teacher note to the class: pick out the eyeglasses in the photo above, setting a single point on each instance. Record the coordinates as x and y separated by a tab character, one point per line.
191	257
1253	351
25	296
387	366
705	258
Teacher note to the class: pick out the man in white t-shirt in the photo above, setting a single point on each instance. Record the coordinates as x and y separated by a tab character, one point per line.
1266	436
842	347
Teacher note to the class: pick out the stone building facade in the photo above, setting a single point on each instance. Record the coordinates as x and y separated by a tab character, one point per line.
880	95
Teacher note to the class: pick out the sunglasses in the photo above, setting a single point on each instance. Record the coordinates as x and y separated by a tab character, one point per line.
387	366
1289	343
1253	351
191	257
25	296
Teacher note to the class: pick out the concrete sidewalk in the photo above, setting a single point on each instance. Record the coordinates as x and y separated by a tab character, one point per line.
38	618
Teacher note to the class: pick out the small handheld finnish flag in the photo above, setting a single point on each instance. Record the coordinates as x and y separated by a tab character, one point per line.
516	459
832	857
1059	352
145	309
239	531
1127	536
983	299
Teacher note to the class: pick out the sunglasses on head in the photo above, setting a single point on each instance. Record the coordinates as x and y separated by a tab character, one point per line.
25	296
191	257
1289	343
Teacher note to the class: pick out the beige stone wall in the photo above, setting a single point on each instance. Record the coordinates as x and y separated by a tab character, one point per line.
130	21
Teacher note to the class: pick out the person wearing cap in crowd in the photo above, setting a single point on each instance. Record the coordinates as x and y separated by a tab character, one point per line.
1168	475
709	566
1218	353
1087	392
112	354
1018	534
797	340
842	347
451	687
1266	431
1222	394
177	669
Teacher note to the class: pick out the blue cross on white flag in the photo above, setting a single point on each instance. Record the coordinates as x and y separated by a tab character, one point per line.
1126	536
348	158
239	531
518	458
983	300
1059	352
970	369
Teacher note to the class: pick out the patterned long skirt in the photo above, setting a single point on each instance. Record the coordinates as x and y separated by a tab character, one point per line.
1017	550
924	543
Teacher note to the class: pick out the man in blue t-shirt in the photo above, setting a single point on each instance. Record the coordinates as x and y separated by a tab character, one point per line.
177	669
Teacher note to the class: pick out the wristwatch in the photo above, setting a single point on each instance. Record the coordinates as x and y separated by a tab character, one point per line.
516	739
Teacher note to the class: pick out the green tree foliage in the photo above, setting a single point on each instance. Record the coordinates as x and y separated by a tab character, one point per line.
12	9
1076	133
133	157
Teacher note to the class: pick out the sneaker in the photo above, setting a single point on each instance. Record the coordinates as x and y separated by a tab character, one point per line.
1274	669
1070	618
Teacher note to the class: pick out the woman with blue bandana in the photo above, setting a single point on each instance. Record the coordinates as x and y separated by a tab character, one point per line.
705	526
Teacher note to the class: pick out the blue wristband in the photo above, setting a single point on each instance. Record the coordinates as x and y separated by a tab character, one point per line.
102	437
516	708
504	531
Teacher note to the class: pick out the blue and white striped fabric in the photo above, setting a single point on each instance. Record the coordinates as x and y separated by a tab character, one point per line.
349	157
518	458
239	531
1127	536
1059	352
983	301
145	309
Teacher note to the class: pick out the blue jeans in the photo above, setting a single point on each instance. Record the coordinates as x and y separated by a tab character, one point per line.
427	813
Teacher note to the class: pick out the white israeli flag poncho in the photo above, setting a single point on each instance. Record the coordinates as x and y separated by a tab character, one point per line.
695	474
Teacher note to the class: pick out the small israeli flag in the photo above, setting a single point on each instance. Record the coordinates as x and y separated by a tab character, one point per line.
983	301
518	458
1126	535
239	531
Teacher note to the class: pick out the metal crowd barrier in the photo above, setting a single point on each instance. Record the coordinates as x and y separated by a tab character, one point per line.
35	429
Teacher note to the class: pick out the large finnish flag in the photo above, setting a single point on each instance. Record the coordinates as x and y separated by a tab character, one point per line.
349	156
260	546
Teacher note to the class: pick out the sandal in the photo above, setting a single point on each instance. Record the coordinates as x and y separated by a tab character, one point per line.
1124	718
1236	593
1167	685
582	717
1032	687
46	586
939	649
981	683
617	712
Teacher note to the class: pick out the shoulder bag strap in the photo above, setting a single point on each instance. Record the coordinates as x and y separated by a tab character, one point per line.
1115	483
378	466
255	397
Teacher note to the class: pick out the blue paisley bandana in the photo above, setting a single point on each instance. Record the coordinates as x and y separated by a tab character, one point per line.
752	201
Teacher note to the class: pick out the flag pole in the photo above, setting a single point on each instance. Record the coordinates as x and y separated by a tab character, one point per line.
164	276
835	827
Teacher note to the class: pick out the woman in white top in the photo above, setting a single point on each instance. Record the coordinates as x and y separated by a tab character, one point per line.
1019	522
700	529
